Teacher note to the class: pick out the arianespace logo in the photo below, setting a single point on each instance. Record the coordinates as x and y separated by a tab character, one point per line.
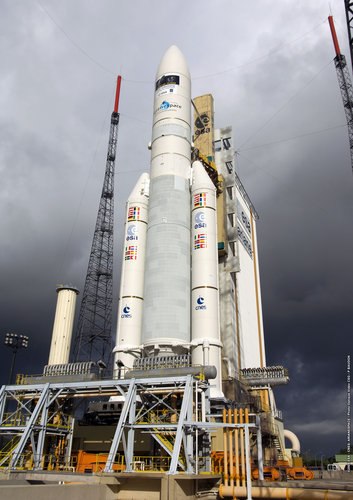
200	304
126	312
200	219
166	105
131	233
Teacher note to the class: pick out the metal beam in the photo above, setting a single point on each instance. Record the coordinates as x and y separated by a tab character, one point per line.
29	428
180	427
260	461
120	426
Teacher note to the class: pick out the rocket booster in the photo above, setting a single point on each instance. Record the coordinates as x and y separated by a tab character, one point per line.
166	317
130	308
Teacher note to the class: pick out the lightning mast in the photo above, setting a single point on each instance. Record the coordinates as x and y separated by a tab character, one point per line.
345	84
349	17
93	339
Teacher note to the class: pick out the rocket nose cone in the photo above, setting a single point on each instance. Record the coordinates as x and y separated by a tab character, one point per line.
173	61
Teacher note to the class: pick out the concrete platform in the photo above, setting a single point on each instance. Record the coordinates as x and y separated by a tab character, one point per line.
30	485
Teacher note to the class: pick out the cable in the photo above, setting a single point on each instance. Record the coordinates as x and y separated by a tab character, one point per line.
79	206
73	41
291	138
271	51
285	104
97	63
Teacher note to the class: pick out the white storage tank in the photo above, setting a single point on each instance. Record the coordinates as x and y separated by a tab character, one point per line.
63	325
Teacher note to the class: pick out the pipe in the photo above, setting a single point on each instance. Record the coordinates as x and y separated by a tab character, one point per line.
236	446
242	458
209	372
225	452
285	493
231	468
293	439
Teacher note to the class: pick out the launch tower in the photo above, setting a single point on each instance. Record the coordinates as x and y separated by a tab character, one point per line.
93	340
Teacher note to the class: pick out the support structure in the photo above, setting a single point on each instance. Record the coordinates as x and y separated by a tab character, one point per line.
183	432
345	84
93	339
349	17
349	461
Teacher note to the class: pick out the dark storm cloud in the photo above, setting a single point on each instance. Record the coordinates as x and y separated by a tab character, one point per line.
272	80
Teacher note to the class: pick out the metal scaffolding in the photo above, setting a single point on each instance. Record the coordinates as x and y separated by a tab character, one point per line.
183	433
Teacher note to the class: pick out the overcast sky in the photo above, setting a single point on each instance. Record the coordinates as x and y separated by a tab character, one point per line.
269	66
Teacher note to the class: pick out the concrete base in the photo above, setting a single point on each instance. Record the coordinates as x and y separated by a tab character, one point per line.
124	486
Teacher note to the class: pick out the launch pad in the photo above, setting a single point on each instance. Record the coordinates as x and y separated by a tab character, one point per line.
174	412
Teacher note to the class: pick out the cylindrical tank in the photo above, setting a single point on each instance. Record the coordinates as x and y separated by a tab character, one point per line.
206	344
63	324
128	335
166	315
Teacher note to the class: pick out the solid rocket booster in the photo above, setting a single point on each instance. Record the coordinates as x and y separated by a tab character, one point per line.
206	345
130	308
166	315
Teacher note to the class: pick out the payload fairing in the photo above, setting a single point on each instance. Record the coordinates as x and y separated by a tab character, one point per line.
170	261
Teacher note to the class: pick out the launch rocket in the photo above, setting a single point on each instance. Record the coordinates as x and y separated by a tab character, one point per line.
166	315
169	282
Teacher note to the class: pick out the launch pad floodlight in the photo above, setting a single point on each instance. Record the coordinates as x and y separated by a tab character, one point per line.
15	342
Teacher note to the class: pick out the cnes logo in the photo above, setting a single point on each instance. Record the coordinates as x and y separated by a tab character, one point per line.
126	312
200	303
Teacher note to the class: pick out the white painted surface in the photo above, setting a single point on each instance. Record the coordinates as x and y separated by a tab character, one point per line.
166	314
63	324
128	335
206	345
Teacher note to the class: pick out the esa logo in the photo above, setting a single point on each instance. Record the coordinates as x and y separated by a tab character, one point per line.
131	233
200	218
126	312
200	304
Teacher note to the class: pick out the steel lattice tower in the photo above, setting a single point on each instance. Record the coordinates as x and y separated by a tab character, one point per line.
345	84
93	339
349	17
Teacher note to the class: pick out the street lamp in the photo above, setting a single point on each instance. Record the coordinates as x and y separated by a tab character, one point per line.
15	342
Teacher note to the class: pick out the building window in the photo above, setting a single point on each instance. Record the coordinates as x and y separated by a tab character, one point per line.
217	146
227	143
229	165
230	192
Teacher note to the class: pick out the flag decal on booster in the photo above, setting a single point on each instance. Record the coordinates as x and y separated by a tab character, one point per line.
130	253
199	200
134	214
200	241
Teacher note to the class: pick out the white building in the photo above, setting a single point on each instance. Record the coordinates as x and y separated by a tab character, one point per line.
242	331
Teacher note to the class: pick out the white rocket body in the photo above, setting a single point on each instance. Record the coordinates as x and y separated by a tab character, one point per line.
63	324
128	340
156	292
206	345
166	316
